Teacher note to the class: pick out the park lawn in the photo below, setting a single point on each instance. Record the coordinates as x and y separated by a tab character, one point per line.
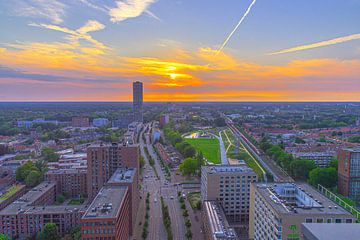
11	191
210	148
76	201
194	198
243	155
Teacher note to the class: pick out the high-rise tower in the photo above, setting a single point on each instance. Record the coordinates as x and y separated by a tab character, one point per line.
138	101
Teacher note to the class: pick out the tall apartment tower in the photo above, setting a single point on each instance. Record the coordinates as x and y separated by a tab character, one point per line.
104	159
229	186
349	173
138	101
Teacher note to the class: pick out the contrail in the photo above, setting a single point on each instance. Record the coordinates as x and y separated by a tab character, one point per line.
319	44
237	26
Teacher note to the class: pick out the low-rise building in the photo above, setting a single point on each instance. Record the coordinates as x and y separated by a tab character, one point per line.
99	122
108	216
10	194
26	216
80	122
330	231
277	210
321	159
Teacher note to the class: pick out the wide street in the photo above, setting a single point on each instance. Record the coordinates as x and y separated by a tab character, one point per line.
152	185
158	187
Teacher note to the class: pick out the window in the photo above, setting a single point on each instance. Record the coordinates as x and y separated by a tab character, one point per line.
348	220
338	220
320	220
308	220
328	220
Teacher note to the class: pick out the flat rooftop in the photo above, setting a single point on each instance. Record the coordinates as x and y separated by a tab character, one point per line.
300	198
66	171
106	203
331	231
218	224
28	198
122	175
241	168
354	150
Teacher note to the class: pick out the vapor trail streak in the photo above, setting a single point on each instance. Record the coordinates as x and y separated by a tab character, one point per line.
319	44
237	26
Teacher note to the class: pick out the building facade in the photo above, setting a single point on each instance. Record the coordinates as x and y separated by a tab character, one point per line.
80	122
108	216
69	182
128	177
230	187
277	210
104	159
26	216
138	101
99	122
349	173
321	159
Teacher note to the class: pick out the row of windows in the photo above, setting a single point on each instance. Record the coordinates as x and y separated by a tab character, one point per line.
91	224
100	231
328	220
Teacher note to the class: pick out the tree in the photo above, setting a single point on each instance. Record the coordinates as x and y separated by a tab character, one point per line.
50	155
300	168
49	232
33	178
327	177
220	122
334	163
189	151
189	166
60	198
24	170
76	233
4	237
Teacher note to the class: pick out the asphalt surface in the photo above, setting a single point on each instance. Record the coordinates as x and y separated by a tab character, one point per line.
158	187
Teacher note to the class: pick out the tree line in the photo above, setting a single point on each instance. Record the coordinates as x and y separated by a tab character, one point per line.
301	169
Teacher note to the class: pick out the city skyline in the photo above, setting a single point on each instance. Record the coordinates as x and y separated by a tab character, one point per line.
87	51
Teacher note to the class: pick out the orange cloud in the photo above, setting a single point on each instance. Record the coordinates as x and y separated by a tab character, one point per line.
185	76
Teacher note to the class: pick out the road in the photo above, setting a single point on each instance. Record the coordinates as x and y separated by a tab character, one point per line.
222	150
152	185
158	187
169	192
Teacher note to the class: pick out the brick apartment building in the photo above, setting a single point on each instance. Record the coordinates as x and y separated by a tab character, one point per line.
80	122
108	216
4	202
349	173
104	159
26	216
69	182
128	177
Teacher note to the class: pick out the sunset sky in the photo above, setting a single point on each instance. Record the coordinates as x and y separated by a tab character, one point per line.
92	50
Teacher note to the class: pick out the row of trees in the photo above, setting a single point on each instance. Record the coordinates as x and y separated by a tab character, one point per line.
188	234
301	169
166	219
145	232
